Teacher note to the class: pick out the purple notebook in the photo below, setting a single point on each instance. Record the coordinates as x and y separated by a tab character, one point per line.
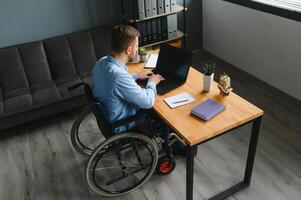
208	109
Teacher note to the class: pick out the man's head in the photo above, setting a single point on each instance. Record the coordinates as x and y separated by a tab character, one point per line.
125	41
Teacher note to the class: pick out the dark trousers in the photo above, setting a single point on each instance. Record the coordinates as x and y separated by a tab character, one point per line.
154	126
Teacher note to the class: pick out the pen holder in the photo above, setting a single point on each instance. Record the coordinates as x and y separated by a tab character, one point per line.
207	82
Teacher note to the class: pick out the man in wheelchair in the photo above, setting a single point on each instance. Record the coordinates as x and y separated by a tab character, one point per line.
120	158
114	87
118	90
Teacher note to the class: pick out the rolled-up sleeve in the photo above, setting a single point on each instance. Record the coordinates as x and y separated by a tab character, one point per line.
127	89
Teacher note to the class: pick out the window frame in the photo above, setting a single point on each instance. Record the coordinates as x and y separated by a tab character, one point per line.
282	12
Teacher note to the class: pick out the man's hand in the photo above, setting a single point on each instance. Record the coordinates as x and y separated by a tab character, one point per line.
156	78
144	75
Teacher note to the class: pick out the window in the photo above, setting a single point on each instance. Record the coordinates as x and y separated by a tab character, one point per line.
290	9
293	5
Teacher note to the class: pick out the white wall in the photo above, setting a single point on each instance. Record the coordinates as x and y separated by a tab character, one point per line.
262	44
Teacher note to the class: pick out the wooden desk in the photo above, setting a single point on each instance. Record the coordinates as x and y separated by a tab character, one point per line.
195	131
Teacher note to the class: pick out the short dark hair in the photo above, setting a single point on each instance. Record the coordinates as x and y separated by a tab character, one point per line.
122	36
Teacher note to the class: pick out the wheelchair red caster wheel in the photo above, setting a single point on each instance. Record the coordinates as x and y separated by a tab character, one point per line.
165	165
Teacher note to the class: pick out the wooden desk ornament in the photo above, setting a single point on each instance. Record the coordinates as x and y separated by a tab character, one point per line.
224	84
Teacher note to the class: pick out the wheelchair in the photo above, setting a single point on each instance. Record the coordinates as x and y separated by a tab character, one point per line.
119	163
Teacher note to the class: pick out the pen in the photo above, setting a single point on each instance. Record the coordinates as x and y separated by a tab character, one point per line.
181	101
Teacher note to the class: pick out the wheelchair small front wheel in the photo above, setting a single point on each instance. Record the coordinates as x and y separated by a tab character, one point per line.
121	164
85	133
165	165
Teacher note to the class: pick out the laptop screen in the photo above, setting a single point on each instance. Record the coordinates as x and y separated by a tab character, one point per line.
173	62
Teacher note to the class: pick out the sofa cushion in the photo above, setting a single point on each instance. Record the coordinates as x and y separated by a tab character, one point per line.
35	63
83	52
12	74
44	94
18	104
102	40
60	60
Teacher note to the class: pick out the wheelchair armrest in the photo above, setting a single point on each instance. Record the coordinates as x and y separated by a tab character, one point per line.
133	118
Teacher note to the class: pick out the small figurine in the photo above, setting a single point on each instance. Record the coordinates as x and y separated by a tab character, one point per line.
224	84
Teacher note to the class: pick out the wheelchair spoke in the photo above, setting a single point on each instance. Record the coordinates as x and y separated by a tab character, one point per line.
125	175
103	168
122	164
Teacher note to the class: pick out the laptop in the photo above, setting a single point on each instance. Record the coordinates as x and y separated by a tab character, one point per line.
173	64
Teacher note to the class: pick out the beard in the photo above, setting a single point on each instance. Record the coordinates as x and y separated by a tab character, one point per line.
132	57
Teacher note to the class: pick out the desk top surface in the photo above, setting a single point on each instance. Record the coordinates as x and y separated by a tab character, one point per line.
191	128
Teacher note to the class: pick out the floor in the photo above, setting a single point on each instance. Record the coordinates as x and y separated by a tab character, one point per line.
37	160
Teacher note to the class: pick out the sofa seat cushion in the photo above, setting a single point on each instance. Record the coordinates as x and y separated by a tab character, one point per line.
18	104
44	94
16	92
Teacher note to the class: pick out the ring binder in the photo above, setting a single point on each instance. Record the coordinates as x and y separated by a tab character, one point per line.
156	20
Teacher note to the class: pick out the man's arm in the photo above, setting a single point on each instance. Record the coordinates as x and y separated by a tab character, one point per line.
127	89
134	76
142	75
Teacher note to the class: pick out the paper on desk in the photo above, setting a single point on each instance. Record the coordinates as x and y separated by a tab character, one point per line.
152	61
179	100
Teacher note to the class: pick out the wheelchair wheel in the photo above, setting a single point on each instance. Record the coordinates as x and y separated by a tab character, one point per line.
165	165
121	164
85	133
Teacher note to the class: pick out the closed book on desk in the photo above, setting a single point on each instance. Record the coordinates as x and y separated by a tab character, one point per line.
208	109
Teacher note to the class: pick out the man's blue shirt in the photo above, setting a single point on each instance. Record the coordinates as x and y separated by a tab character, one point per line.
118	91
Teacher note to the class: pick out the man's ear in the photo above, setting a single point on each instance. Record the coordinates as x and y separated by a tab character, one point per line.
128	50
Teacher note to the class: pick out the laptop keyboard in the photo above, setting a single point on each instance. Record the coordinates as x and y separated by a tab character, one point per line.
164	86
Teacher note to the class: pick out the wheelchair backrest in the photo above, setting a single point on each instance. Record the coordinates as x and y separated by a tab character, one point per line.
99	112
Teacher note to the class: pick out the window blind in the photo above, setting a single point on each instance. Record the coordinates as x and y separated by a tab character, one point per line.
293	5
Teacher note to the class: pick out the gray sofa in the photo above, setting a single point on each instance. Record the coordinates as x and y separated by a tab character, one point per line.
34	77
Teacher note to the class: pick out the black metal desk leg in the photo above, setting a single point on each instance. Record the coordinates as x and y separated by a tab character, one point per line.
191	151
252	150
249	166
